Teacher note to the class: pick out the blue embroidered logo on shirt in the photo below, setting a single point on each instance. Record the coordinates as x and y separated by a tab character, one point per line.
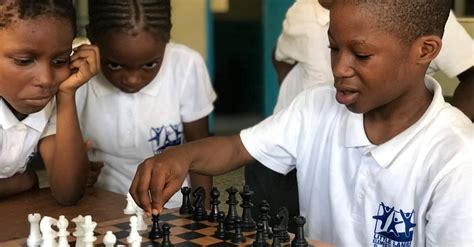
392	227
165	136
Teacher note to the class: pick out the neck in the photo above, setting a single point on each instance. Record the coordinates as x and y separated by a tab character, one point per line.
20	116
386	122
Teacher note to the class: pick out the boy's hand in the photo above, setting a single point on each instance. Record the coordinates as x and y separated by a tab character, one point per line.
157	179
95	166
84	65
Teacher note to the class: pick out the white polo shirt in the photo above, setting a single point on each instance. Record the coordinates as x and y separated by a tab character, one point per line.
304	39
19	139
414	190
127	128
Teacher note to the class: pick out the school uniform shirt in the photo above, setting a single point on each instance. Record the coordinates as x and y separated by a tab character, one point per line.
304	39
128	128
413	190
19	139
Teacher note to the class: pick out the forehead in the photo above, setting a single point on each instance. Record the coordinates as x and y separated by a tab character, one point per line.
38	33
122	47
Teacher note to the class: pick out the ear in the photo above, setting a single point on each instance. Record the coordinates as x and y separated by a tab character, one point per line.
89	35
428	48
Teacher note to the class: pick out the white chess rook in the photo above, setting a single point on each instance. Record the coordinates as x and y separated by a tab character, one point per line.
34	239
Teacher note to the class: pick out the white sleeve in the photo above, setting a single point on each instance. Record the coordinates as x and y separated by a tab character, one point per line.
197	95
450	216
457	51
50	128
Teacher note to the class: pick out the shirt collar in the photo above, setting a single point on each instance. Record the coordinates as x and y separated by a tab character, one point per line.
35	120
385	153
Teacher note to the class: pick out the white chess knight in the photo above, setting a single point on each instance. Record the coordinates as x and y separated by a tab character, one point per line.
63	233
49	234
109	239
79	232
134	239
131	205
88	226
34	239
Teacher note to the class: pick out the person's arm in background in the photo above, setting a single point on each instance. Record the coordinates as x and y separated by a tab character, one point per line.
282	68
463	97
20	182
193	131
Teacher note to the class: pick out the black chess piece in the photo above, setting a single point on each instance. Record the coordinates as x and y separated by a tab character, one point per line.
264	217
166	236
276	237
232	213
282	222
186	207
200	212
155	232
220	231
238	236
213	215
248	224
259	239
299	240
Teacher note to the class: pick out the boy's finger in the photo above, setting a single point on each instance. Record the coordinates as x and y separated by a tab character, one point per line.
140	188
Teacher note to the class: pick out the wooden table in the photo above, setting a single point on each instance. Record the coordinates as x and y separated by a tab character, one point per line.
103	205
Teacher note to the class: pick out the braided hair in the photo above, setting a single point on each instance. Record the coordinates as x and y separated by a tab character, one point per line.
131	17
13	10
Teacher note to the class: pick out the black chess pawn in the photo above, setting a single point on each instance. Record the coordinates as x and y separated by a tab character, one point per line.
248	224
260	241
276	237
213	215
238	237
155	232
264	217
166	236
186	207
220	231
200	212
299	240
232	213
282	223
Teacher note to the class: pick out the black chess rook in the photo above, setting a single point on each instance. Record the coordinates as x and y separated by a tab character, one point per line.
299	240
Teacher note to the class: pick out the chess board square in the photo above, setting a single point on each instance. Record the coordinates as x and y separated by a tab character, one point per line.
207	240
195	226
168	217
178	230
121	234
151	244
186	244
207	231
103	230
221	244
179	222
123	225
190	235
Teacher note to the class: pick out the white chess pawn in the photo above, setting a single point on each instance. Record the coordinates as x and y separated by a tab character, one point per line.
88	226
134	239
141	225
131	206
49	235
109	239
79	232
34	239
63	233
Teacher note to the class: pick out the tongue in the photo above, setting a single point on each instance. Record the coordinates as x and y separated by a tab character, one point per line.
346	97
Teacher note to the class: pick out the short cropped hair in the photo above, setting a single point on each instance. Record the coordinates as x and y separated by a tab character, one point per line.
14	10
407	19
130	16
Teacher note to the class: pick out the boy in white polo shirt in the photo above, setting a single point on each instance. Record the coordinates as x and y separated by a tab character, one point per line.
38	80
151	94
382	160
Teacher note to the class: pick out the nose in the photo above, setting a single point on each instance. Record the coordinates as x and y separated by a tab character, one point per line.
132	78
45	76
341	65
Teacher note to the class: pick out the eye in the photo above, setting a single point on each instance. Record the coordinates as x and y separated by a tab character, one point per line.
23	61
362	57
61	62
149	65
114	66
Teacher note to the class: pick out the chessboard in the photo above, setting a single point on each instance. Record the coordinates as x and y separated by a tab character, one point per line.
184	232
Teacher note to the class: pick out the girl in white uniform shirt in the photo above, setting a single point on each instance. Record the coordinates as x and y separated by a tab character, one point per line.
150	95
36	81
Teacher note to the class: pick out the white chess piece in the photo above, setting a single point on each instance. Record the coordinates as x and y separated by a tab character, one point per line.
134	239
109	239
79	232
131	206
63	233
141	225
34	239
49	235
88	226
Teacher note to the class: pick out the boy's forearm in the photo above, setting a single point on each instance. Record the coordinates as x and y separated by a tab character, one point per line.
69	170
18	183
216	155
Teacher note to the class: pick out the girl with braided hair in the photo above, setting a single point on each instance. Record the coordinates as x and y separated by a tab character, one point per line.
38	81
151	94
